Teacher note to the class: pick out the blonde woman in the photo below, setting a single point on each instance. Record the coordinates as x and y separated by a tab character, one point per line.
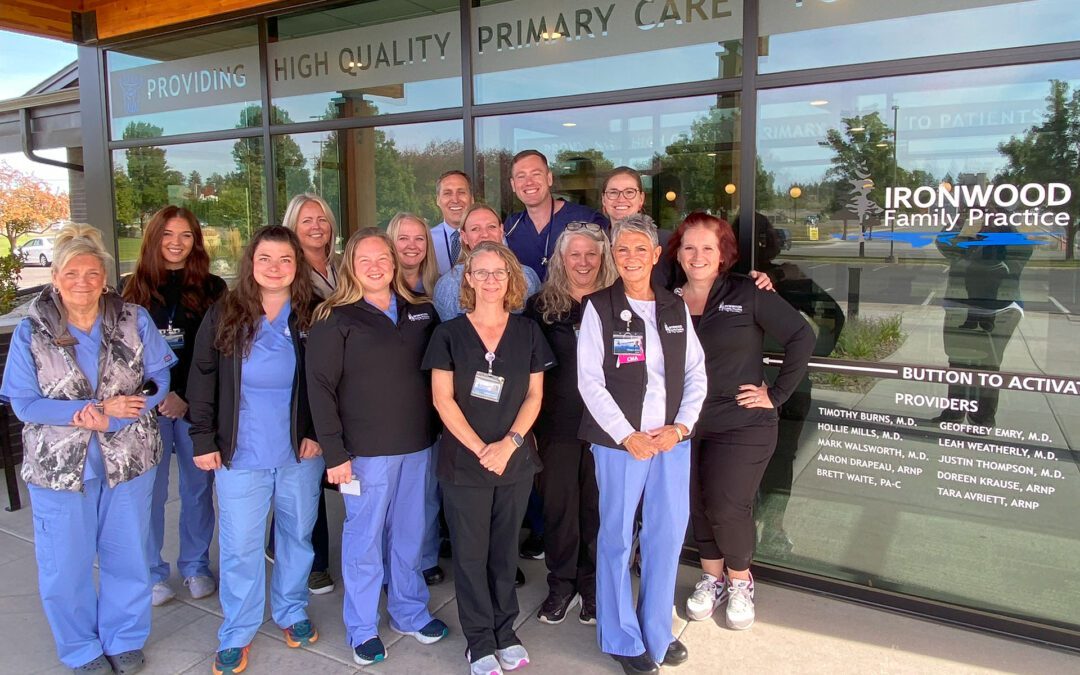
487	381
77	376
310	217
412	242
373	414
581	264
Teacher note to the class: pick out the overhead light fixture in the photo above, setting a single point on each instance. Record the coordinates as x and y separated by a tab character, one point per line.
883	144
710	154
551	36
670	195
569	124
857	129
730	188
819	102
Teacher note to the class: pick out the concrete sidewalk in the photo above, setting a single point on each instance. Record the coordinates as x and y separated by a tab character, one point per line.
796	632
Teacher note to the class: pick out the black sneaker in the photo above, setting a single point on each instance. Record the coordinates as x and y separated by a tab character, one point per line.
434	575
642	664
519	579
556	606
445	549
587	617
533	547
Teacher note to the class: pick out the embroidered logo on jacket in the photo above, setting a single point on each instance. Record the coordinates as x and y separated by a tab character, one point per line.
734	309
677	328
422	316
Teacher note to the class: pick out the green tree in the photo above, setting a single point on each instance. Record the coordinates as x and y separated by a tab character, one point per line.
1050	152
394	181
149	172
126	211
703	162
291	175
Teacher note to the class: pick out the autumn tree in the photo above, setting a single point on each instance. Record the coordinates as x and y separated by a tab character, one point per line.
27	204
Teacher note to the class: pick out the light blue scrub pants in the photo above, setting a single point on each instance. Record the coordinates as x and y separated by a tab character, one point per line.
70	530
662	484
196	506
385	522
432	500
244	501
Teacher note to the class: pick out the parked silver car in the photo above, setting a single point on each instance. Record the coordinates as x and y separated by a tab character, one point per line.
38	250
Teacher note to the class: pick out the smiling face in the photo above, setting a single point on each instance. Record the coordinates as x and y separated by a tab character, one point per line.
531	181
177	240
411	243
582	261
274	265
481	225
454	198
635	256
619	206
81	282
373	265
490	290
699	254
313	229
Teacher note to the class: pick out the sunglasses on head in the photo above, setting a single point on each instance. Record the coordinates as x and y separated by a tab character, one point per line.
578	225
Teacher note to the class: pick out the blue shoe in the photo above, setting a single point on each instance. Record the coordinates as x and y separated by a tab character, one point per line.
300	634
370	652
434	631
231	661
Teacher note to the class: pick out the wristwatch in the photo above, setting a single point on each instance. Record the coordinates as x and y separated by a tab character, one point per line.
516	438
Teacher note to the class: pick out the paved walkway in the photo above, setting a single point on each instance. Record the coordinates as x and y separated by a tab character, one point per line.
796	632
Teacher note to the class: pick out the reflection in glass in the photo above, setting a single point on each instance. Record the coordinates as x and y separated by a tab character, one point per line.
818	33
364	59
686	150
201	82
221	182
525	50
929	226
368	175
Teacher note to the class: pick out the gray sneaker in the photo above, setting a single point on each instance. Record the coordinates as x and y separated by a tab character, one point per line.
513	657
740	607
161	593
201	586
709	593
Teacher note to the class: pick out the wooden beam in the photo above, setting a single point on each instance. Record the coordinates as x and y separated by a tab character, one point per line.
43	18
116	18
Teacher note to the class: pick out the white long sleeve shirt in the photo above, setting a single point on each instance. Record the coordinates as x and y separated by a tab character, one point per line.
593	386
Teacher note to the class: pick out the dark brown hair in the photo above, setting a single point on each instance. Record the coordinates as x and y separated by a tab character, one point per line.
529	153
242	310
624	171
729	248
150	272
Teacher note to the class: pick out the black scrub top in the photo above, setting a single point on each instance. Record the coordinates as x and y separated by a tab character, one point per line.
456	346
560	415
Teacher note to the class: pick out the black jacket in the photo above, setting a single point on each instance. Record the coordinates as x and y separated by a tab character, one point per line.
560	413
731	330
369	397
214	392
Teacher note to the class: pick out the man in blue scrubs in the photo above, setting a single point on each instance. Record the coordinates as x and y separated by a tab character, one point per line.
531	234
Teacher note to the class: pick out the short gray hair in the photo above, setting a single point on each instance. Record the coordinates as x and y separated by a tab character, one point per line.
637	222
76	239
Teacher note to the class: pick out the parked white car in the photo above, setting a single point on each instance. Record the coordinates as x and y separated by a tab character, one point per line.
38	250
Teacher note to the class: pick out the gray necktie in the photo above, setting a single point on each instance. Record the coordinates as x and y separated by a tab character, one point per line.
455	247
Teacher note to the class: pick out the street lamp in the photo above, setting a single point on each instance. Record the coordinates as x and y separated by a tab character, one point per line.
795	193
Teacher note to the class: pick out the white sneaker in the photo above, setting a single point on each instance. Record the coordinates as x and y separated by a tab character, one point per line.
740	606
513	657
201	587
161	593
709	593
488	665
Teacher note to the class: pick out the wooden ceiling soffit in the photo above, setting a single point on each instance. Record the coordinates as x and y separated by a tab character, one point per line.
117	18
43	18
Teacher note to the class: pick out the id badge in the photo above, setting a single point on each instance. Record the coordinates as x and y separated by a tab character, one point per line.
487	387
628	344
351	488
174	337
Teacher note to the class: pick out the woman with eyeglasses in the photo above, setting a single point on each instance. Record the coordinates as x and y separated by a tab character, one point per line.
581	265
487	382
736	436
371	404
641	374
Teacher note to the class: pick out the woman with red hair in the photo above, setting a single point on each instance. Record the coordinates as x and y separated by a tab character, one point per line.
736	432
172	281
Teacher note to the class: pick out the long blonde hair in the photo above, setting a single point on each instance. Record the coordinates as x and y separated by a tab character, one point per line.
556	295
429	268
349	291
292	217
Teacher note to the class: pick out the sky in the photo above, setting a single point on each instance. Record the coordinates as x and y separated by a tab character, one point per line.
24	62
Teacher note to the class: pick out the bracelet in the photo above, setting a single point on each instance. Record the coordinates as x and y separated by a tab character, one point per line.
679	432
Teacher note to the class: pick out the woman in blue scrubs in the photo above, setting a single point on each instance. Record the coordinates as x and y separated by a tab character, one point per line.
76	368
373	412
172	281
251	425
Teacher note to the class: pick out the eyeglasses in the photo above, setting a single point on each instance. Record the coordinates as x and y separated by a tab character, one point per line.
628	194
482	275
579	225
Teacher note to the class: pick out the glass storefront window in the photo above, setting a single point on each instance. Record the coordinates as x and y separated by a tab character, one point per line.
525	50
799	34
364	59
221	182
687	151
201	82
927	225
383	170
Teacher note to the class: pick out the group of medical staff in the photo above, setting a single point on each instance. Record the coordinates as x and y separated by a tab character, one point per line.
572	361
